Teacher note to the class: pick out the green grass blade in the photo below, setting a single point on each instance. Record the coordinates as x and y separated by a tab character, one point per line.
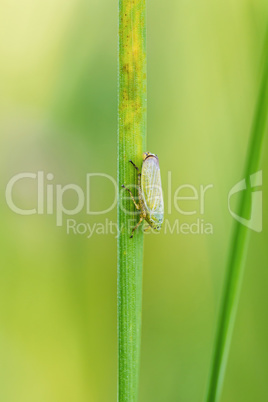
238	247
132	112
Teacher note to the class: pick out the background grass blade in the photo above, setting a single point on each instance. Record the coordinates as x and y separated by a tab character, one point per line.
238	246
131	144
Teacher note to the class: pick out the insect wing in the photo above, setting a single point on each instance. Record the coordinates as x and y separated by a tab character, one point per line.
151	187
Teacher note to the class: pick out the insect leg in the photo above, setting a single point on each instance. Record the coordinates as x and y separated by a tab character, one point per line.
139	180
139	177
147	229
132	197
136	167
138	224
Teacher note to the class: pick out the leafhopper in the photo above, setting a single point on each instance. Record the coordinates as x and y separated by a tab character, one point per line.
151	204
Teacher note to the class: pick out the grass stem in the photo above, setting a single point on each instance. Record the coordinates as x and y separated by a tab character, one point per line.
132	113
238	249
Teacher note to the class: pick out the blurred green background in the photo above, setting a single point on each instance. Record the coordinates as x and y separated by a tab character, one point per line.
58	105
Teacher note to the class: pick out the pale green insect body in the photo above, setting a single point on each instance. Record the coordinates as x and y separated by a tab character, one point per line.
151	191
151	204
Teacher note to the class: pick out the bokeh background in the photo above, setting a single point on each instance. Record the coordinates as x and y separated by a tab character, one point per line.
58	105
